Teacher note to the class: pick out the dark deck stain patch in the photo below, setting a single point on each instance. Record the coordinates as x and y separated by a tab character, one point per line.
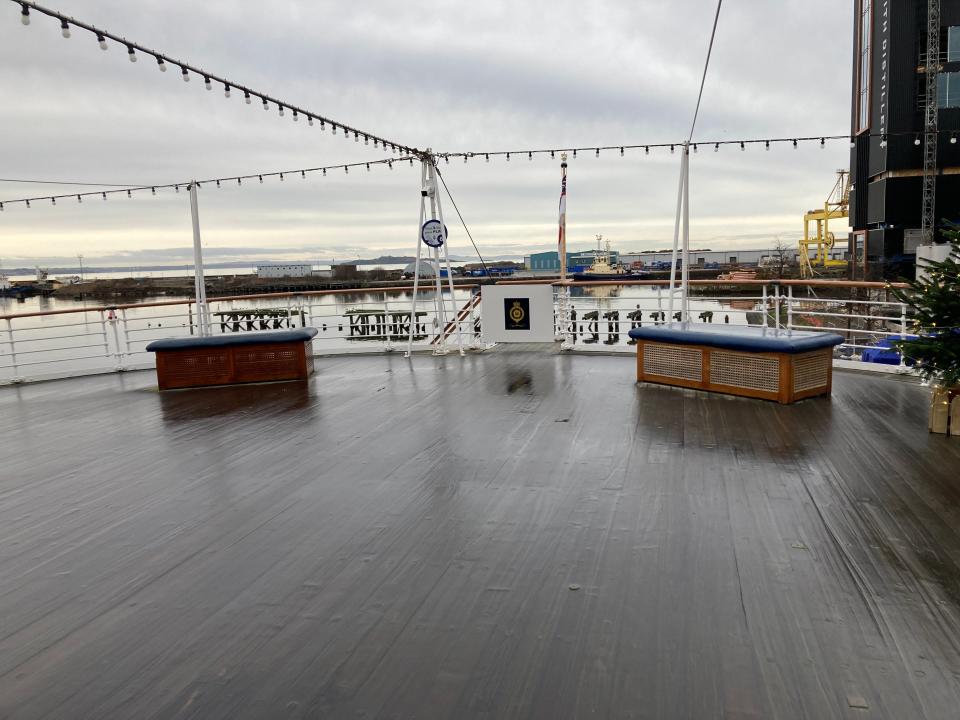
383	543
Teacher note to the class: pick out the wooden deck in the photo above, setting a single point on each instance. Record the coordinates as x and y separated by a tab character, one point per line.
516	535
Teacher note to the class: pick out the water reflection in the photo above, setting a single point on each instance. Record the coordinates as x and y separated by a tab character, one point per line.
261	399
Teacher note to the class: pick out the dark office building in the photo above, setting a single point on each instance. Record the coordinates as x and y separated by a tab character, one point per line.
886	161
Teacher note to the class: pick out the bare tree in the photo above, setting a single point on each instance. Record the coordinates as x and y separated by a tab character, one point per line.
781	257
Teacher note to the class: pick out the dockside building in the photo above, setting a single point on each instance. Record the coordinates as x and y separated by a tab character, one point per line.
886	161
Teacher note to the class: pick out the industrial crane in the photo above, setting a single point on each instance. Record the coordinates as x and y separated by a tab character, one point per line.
835	207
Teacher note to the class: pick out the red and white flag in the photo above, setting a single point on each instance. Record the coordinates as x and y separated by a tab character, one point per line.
562	237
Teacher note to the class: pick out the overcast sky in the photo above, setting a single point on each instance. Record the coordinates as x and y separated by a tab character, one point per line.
453	76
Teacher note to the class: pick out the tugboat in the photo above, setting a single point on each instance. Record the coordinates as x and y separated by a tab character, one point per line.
603	270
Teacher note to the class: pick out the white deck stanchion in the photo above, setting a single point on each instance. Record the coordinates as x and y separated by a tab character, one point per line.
203	310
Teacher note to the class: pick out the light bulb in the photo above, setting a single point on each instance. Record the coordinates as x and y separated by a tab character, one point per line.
356	137
103	42
716	147
226	91
131	53
246	97
280	110
185	75
296	117
597	153
695	148
368	165
646	149
25	15
743	147
65	28
346	170
334	129
916	140
671	149
310	120
266	105
508	157
487	157
161	64
794	144
767	143
206	83
953	139
366	139
823	143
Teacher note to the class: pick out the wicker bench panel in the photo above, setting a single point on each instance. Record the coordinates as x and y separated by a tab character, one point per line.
744	370
811	371
674	361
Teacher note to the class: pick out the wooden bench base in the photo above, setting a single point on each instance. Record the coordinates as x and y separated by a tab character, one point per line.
784	377
234	364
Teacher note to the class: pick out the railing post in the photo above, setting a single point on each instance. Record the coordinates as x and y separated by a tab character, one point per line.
126	331
386	329
103	332
789	308
763	295
13	351
903	331
118	352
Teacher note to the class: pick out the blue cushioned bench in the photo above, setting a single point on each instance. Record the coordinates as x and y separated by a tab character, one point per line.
230	359
755	362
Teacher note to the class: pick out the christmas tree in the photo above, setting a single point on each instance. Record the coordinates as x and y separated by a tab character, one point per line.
935	301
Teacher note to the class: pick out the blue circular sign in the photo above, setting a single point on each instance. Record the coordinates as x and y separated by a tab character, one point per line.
433	233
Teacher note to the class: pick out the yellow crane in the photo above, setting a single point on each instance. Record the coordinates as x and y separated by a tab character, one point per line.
836	207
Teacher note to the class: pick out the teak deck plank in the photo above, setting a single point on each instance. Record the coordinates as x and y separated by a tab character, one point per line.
399	539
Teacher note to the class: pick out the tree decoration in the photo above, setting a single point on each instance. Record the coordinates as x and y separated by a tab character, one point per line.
934	300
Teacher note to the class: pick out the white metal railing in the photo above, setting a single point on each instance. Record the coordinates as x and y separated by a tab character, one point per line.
53	344
590	316
595	317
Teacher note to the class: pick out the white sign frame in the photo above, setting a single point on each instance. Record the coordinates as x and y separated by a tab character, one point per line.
539	299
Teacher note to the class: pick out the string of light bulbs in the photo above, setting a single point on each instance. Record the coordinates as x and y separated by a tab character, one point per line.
696	146
187	70
767	143
218	182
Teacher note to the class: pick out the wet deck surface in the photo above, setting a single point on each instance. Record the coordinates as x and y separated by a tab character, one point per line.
384	543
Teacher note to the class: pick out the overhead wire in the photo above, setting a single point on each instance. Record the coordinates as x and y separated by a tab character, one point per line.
706	66
68	182
462	221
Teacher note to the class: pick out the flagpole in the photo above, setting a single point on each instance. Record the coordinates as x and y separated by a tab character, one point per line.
563	218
